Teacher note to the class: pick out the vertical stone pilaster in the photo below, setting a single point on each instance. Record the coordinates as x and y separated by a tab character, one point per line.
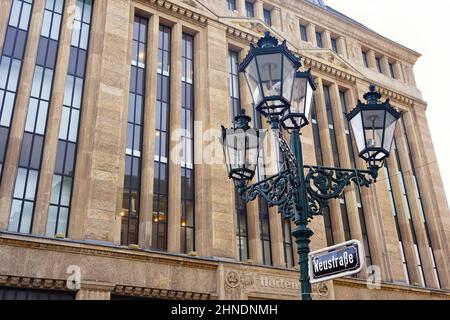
385	66
254	232
148	156
398	73
419	225
342	48
20	114
327	39
223	241
240	6
371	59
311	31
259	9
94	212
5	9
203	217
174	217
403	220
433	193
276	237
54	119
276	18
325	140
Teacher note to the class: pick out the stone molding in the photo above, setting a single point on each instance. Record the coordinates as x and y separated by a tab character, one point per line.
33	283
131	291
177	10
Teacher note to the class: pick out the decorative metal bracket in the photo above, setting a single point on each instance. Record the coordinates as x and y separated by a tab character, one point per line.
324	184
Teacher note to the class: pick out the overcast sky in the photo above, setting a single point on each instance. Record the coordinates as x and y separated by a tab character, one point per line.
422	26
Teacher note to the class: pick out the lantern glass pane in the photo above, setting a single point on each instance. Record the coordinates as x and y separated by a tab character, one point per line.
269	67
373	127
289	72
358	131
299	95
391	123
251	75
308	99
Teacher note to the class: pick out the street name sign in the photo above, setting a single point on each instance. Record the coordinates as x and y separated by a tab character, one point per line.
338	261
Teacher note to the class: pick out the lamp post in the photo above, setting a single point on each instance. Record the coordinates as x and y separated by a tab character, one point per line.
284	96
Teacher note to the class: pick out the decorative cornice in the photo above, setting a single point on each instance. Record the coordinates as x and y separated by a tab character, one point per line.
390	94
142	292
177	10
106	251
33	283
317	65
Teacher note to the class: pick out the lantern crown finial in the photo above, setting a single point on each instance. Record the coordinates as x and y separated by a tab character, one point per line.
268	41
242	120
372	97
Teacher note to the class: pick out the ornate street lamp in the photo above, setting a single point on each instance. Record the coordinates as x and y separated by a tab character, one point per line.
270	70
373	125
284	96
241	146
297	116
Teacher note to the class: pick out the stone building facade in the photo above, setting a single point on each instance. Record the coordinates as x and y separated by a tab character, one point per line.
92	205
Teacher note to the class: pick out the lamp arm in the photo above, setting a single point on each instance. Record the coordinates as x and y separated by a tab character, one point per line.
276	190
324	184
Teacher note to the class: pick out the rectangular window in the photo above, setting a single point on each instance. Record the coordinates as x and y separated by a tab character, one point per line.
391	70
287	243
161	169
249	9
303	33
378	61
240	206
231	5
133	152
32	144
187	160
365	59
319	39
62	184
334	46
16	37
268	17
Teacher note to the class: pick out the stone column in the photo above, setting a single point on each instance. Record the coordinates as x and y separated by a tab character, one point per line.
276	237
54	119
371	59
417	220
403	220
94	213
325	140
259	10
311	31
91	290
220	188
254	232
5	9
20	114
430	184
342	49
326	35
276	18
240	6
398	73
203	208
385	69
148	144
174	216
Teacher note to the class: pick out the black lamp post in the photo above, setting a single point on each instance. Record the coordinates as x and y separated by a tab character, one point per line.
284	95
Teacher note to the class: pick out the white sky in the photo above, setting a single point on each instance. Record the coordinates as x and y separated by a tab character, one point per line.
424	27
